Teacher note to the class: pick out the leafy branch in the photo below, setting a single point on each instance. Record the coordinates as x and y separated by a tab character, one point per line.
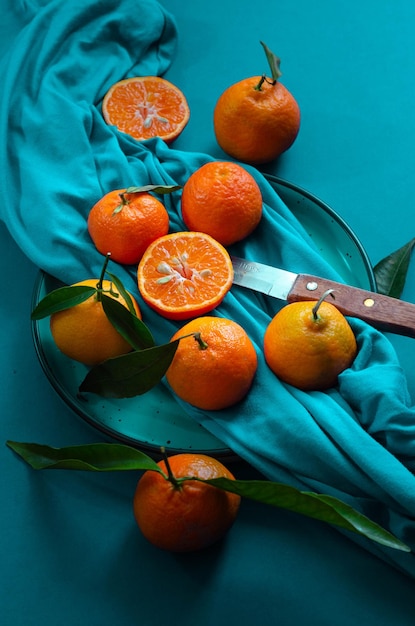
105	457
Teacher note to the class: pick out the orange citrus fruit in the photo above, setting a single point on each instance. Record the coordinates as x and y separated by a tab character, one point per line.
214	364
256	120
184	515
184	274
223	200
84	333
145	107
307	348
125	224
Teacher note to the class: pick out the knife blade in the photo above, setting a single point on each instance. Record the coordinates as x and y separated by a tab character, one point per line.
383	312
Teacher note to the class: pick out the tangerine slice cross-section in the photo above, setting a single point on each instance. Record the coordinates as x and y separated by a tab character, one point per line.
184	275
146	107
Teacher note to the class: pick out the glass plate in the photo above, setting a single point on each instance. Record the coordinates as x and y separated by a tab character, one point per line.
155	419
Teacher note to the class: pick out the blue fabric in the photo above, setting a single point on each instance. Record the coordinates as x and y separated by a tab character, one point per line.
58	157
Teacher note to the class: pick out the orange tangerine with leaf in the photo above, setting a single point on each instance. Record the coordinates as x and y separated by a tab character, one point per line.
179	514
84	333
124	222
257	119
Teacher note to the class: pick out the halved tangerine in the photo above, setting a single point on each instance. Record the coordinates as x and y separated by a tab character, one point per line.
146	107
184	275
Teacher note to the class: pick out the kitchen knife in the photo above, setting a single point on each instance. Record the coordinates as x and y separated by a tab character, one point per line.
383	312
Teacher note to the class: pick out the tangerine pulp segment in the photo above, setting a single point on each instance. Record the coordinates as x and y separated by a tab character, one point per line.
146	107
184	275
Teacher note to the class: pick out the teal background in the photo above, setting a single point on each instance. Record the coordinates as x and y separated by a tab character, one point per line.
71	559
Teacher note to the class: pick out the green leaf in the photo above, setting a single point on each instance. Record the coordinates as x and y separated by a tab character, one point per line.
96	457
131	374
160	189
122	291
117	457
127	324
322	507
273	62
60	299
390	272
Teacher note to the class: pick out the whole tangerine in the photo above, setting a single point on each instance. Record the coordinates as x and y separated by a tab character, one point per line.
125	224
222	199
178	514
84	333
214	364
308	344
257	119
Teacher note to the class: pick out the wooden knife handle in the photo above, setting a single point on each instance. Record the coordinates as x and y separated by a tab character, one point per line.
383	312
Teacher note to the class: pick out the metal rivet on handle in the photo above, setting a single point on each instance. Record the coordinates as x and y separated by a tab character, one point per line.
369	302
312	286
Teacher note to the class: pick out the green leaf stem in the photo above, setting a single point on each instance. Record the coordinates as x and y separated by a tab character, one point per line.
390	272
122	291
131	374
273	62
118	457
62	298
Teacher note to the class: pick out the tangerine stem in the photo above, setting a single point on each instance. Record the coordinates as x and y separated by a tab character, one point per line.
101	277
318	304
259	85
122	204
263	80
202	344
170	475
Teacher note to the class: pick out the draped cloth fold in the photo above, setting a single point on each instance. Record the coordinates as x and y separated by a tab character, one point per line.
58	157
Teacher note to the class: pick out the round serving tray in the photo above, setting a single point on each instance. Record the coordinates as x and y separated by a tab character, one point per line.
155	419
